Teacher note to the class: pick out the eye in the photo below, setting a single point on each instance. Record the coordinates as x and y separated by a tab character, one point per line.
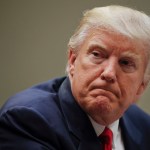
96	53
128	65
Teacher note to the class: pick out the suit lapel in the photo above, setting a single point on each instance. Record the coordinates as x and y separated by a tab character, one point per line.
81	129
131	136
79	125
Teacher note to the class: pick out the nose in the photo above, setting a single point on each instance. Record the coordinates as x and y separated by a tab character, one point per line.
109	72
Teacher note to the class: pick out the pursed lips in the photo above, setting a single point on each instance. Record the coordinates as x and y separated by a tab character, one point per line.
105	91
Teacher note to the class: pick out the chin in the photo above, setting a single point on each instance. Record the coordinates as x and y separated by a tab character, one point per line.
100	107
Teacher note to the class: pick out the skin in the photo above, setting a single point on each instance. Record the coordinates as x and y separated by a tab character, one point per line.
106	74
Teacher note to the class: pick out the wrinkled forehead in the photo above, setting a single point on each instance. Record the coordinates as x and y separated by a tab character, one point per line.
112	40
119	44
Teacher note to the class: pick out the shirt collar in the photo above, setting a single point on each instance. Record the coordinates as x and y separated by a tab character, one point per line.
100	128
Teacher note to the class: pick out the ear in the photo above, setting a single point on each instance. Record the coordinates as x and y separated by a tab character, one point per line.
141	88
71	61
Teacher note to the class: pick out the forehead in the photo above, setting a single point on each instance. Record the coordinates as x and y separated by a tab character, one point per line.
114	42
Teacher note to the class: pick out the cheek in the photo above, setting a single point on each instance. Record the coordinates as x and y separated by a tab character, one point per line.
83	70
129	89
83	76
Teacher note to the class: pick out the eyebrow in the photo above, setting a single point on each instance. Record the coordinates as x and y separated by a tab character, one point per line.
130	54
97	45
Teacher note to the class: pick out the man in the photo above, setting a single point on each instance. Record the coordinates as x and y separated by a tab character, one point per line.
108	70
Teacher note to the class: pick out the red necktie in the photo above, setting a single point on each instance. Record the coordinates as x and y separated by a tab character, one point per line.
106	138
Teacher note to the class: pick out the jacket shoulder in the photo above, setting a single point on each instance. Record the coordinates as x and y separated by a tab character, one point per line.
41	94
138	117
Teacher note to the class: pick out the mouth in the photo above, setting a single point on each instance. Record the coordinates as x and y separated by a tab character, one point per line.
104	91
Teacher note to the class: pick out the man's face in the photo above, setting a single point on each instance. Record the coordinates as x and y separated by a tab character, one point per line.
107	74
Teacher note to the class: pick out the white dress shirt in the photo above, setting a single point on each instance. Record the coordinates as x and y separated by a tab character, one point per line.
117	138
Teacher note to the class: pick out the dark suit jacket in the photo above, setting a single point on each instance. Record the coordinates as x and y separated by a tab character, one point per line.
46	117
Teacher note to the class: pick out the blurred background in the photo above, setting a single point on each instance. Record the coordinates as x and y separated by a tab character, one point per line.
34	36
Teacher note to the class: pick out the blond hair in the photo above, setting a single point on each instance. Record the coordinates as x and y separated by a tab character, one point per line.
124	20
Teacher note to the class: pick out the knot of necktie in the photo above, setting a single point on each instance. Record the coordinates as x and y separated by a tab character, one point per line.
106	139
